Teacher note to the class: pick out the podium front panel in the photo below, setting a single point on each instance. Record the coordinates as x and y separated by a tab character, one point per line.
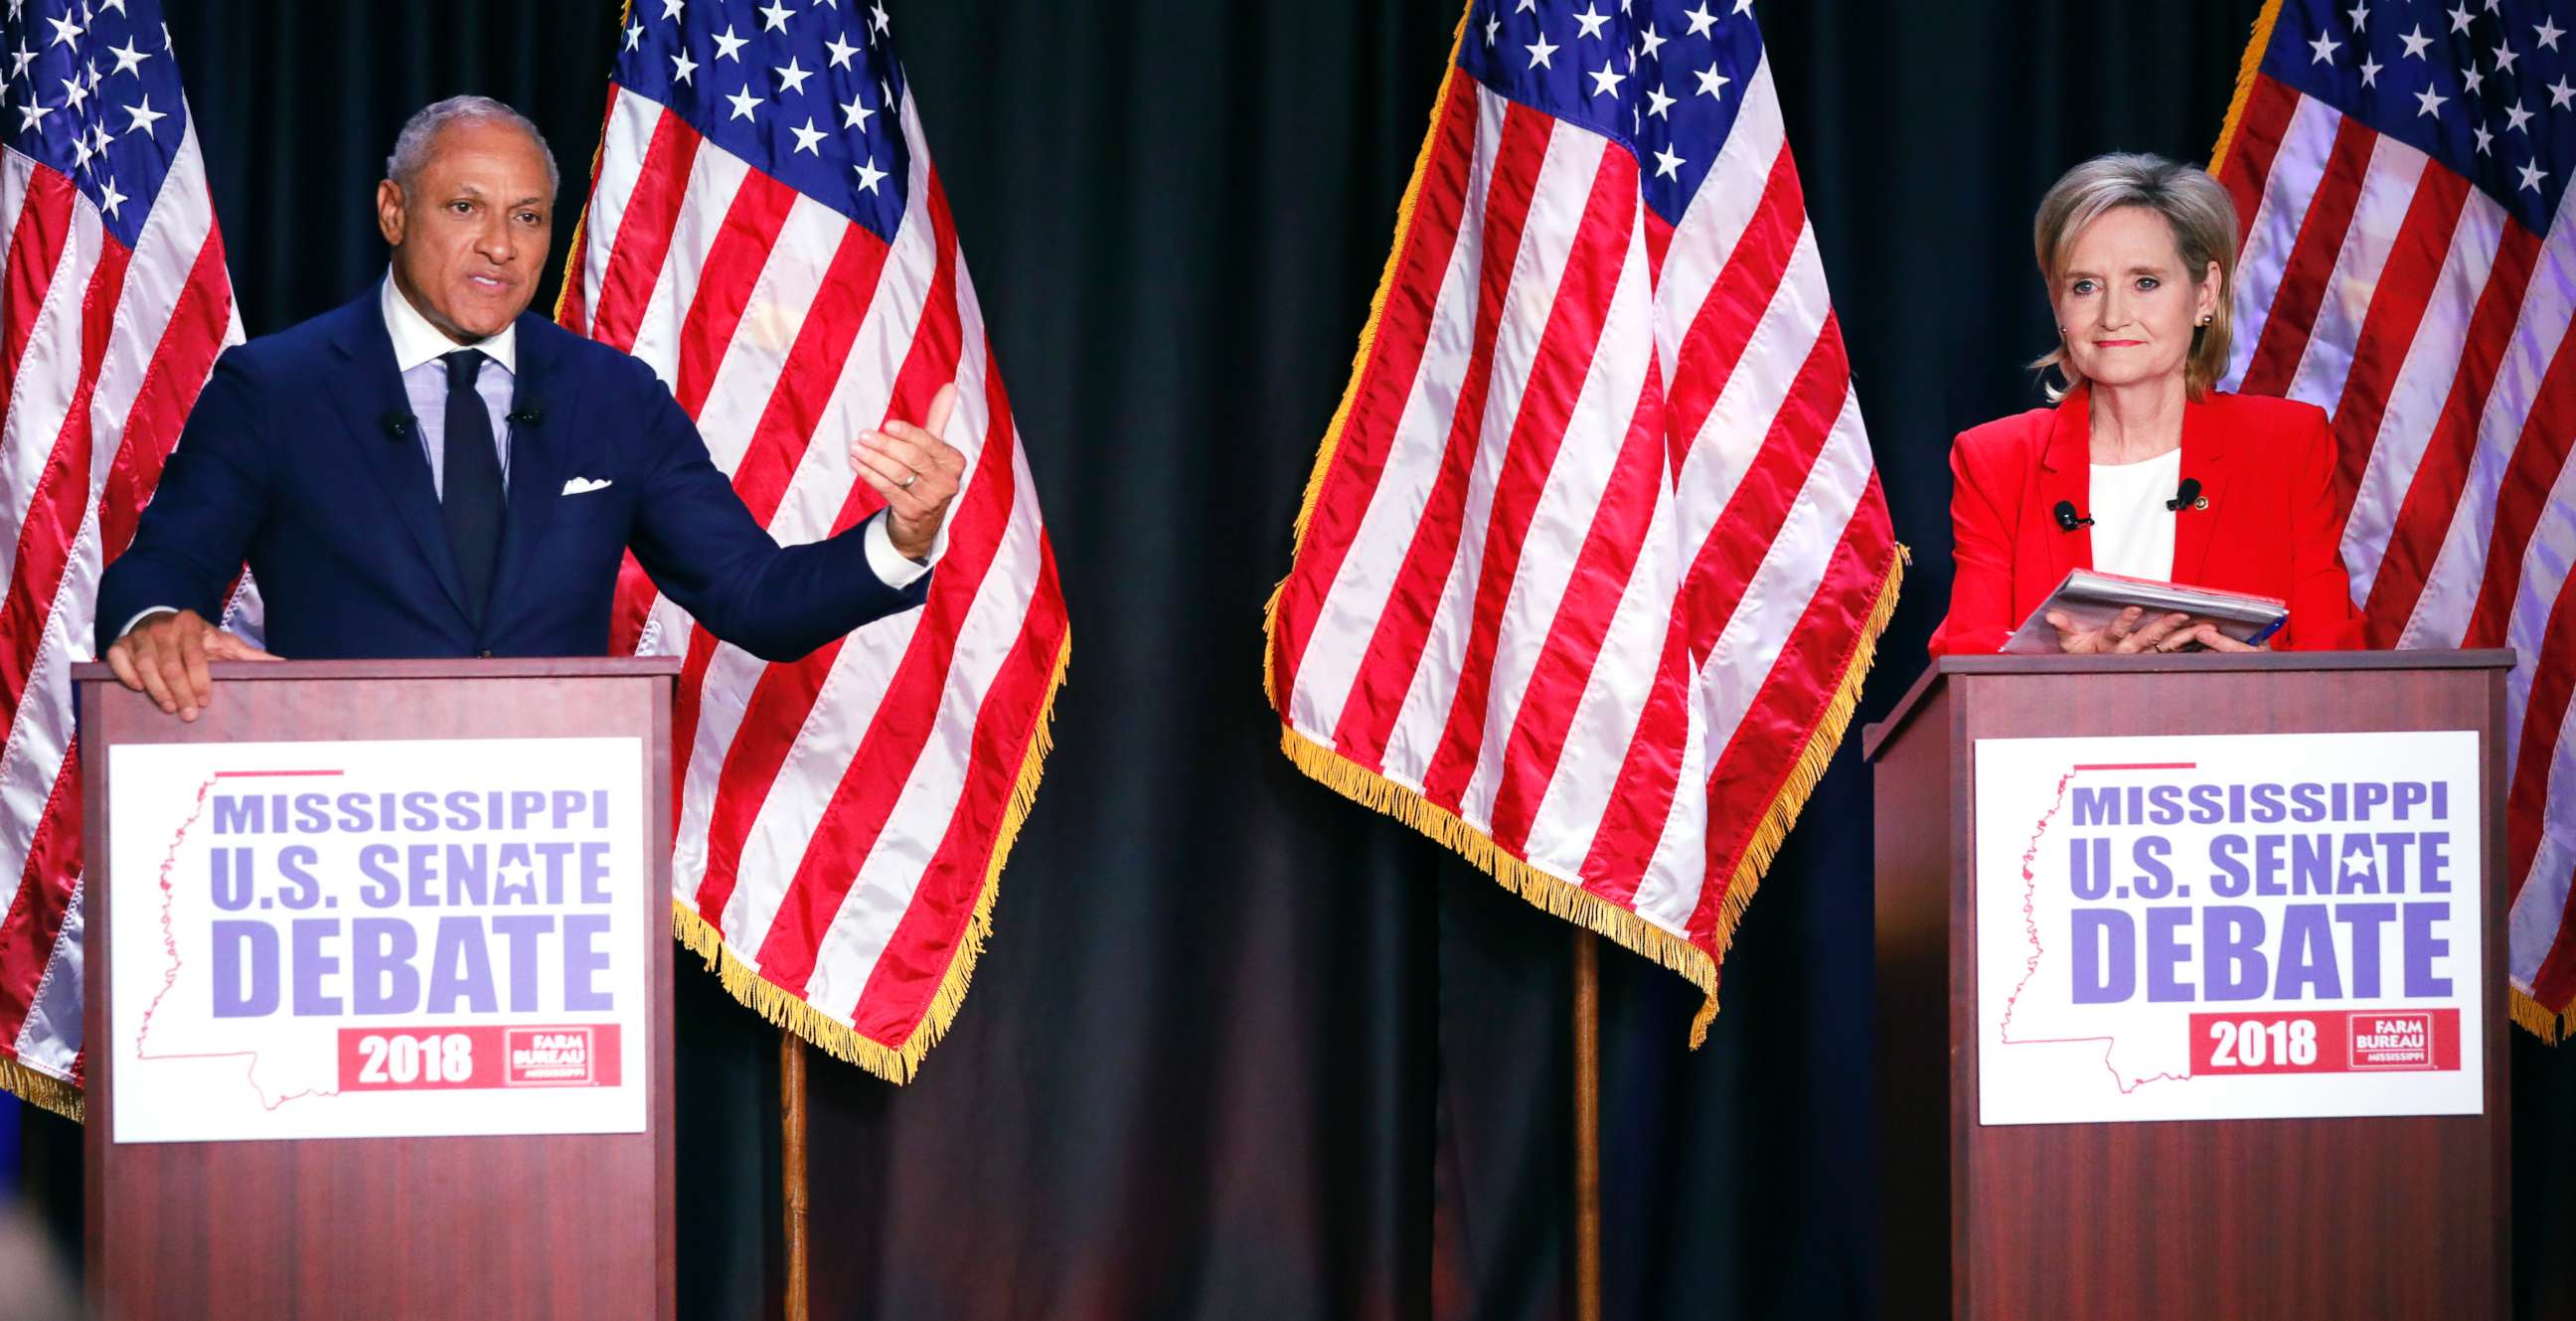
2396	1215
534	1200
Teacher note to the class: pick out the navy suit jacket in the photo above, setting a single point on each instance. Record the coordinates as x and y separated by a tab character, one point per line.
291	462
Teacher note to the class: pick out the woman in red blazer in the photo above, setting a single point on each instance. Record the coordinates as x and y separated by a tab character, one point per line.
2139	254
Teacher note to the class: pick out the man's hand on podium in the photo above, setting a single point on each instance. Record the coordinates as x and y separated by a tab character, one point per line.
165	655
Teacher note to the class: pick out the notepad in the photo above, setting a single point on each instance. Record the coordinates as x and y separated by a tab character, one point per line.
2091	599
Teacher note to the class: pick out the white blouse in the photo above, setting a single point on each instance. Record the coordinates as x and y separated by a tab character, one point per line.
2133	532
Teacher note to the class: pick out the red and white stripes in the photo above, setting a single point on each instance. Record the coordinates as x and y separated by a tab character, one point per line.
1594	554
842	818
102	351
2433	326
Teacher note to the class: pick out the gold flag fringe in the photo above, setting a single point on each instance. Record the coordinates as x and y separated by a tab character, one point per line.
1572	902
2246	69
1558	896
895	1064
2550	1025
41	1089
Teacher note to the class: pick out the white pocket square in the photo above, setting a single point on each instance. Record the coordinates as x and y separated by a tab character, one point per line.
584	485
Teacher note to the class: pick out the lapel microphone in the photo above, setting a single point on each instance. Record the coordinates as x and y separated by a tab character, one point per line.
398	426
527	414
2067	519
2188	497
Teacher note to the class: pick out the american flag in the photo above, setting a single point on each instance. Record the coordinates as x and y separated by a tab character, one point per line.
1594	556
2400	169
113	304
766	231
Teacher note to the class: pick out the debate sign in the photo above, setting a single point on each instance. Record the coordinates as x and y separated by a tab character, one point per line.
2228	927
415	938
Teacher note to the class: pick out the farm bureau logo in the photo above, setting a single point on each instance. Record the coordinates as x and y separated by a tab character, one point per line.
554	1056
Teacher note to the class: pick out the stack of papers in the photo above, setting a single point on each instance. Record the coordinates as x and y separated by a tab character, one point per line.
2091	599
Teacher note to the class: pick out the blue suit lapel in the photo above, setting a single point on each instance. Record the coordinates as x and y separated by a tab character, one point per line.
368	392
537	457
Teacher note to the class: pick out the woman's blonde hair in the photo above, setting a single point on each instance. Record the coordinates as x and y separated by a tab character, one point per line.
2194	206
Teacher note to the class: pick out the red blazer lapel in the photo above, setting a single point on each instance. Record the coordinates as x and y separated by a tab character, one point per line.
2066	475
2204	459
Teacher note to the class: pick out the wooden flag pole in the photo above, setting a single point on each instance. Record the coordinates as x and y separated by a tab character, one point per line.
791	1168
1587	1126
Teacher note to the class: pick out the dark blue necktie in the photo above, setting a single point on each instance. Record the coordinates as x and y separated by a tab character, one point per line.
470	499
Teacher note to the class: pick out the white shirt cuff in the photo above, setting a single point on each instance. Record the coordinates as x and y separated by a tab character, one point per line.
892	566
149	611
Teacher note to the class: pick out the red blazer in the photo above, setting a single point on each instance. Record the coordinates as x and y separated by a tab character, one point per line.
2265	465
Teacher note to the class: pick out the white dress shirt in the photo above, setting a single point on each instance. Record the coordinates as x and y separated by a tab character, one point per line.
419	348
2133	532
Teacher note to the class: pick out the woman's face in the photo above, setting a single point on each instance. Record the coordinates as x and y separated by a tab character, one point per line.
2125	301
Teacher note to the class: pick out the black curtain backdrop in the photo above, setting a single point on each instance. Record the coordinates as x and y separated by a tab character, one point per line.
1241	1049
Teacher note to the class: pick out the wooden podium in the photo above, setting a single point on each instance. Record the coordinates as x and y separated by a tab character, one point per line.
2272	1218
485	1227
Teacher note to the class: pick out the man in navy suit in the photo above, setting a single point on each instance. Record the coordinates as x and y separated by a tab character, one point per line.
434	471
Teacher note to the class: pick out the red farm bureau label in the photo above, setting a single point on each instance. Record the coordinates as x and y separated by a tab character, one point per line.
448	1059
2327	1041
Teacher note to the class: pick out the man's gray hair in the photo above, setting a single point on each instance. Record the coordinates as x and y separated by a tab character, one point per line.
411	146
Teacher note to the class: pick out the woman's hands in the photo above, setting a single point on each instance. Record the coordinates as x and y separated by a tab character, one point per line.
2131	632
